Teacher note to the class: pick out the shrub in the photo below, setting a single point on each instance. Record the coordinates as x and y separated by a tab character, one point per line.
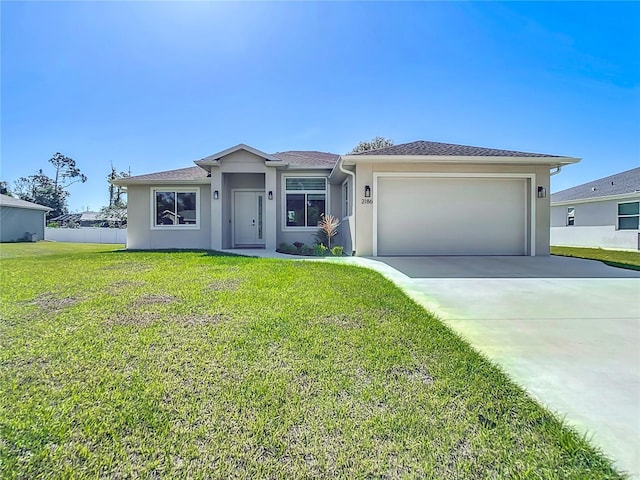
306	250
319	250
337	251
328	225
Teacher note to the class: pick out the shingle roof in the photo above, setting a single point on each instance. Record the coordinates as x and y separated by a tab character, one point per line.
189	173
308	158
422	147
7	201
618	184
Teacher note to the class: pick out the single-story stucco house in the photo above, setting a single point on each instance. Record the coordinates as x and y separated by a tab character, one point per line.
21	220
604	213
418	198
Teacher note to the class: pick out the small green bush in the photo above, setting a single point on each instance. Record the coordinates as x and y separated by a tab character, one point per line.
337	251
319	250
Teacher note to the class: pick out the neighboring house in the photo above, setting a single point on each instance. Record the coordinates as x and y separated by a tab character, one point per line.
87	219
603	213
419	198
21	220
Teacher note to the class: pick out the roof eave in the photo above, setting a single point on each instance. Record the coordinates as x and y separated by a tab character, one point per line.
617	196
199	181
551	161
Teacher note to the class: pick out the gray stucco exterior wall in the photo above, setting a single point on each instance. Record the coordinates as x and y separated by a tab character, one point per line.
16	222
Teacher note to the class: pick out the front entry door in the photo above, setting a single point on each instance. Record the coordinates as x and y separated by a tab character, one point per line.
248	215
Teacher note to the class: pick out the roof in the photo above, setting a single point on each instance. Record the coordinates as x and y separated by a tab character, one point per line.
89	216
623	183
7	201
310	158
181	174
422	147
241	146
413	151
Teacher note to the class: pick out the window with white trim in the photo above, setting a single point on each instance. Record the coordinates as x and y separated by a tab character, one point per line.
175	208
345	199
305	200
628	215
571	216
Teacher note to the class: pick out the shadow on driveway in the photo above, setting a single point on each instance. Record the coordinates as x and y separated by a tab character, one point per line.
504	267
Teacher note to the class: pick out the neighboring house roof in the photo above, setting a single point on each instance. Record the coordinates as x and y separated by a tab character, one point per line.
422	147
66	217
88	217
7	201
310	158
615	185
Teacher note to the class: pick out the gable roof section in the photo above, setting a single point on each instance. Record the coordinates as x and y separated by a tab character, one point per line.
182	175
7	201
310	158
241	146
422	147
623	183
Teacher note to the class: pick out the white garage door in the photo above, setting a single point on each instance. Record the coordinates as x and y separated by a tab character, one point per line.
451	216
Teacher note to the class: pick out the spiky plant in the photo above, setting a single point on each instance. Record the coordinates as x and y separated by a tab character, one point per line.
328	225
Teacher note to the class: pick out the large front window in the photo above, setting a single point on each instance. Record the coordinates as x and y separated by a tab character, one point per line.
305	201
628	215
175	207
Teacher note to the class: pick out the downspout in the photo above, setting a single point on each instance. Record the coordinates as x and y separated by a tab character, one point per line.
558	168
352	223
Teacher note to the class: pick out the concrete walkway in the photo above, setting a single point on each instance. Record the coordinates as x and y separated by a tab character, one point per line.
567	330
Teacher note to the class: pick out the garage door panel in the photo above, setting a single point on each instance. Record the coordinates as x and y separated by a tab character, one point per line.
451	216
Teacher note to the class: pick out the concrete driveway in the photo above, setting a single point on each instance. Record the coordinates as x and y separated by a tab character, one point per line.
567	330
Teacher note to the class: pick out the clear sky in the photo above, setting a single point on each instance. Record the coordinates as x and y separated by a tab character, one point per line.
155	85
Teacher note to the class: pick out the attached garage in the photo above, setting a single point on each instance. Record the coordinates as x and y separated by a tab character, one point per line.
455	215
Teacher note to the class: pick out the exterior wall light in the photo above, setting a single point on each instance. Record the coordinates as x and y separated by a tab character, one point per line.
270	195
367	191
542	192
216	194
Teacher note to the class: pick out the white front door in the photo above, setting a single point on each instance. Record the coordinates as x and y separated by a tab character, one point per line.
248	218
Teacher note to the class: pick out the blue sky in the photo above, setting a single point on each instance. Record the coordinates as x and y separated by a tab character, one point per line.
155	85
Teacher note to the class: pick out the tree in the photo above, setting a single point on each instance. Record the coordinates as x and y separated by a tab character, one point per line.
51	192
373	144
115	215
4	188
116	192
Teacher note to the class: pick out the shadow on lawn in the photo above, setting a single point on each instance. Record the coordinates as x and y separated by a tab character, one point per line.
205	253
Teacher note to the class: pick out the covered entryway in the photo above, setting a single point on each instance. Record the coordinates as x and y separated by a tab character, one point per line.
457	215
248	218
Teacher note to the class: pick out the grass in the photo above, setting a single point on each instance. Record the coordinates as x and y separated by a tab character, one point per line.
183	364
615	258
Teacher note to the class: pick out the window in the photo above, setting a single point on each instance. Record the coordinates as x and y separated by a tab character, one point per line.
305	200
571	215
345	199
628	215
175	208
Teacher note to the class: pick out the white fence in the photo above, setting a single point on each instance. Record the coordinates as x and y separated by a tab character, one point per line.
595	237
86	235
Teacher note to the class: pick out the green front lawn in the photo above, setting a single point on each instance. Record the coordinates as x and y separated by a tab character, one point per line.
615	258
187	365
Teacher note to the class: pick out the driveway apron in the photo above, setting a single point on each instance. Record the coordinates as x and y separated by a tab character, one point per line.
567	330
